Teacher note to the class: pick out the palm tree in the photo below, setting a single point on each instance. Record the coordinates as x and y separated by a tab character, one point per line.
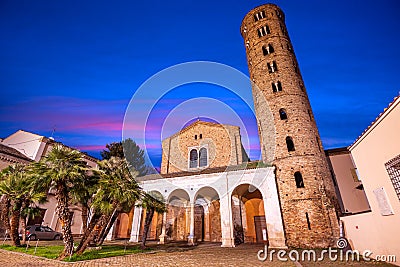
62	170
152	203
35	195
10	188
17	188
5	206
28	211
4	212
117	189
82	194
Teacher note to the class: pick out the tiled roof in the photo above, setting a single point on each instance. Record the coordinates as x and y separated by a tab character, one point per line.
11	154
51	140
244	166
336	151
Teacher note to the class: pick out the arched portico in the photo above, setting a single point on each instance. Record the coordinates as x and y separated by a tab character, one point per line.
207	221
178	215
184	193
248	215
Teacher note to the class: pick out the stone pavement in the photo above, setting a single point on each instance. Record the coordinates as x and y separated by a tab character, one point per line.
203	255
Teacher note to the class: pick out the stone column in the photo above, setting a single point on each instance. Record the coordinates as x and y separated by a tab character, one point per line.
226	221
207	233
187	221
163	236
137	218
191	238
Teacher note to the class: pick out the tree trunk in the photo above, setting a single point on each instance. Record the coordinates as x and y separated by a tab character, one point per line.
84	216
64	216
147	222
23	220
23	228
100	223
93	221
14	223
100	229
107	228
5	211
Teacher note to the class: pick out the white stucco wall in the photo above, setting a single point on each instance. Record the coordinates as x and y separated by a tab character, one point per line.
379	144
224	183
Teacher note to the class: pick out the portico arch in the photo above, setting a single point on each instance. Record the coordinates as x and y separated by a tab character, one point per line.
248	214
207	215
178	217
179	197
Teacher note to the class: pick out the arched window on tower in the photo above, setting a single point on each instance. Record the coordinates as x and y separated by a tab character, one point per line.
203	157
272	67
276	87
289	144
193	159
282	114
299	180
259	15
263	31
267	49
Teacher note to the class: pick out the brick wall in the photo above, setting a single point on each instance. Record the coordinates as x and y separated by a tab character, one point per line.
317	198
223	143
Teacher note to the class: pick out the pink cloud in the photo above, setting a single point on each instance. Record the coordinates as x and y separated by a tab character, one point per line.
109	126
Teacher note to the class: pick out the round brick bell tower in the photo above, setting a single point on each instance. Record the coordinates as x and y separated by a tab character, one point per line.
289	137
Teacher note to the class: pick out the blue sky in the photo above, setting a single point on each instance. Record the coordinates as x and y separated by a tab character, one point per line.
74	65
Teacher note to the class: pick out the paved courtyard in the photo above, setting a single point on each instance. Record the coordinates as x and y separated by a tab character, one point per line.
203	255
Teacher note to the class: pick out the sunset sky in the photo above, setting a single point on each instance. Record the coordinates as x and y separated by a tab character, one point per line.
74	66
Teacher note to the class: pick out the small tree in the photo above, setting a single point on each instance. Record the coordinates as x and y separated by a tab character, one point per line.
135	156
114	149
17	188
131	151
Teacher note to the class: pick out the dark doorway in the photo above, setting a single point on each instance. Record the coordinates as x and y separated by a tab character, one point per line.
199	223
260	225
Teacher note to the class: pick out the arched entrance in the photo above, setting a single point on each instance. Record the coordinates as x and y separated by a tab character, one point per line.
123	224
248	215
178	217
207	224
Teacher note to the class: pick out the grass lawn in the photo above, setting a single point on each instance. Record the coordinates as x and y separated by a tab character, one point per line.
51	252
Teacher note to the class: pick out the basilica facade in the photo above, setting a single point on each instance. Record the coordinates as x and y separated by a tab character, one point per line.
215	193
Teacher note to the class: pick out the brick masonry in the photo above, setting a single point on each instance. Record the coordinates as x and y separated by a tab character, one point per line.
317	198
223	143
